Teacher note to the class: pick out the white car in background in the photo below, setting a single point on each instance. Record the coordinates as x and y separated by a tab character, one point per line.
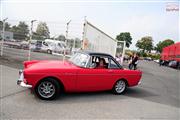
173	64
49	46
157	61
53	46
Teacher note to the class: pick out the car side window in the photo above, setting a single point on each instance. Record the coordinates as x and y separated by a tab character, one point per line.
95	62
112	64
60	45
44	43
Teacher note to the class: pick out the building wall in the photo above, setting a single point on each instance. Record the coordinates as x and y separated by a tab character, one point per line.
7	35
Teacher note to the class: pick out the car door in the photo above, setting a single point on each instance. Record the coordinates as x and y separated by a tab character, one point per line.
92	79
116	71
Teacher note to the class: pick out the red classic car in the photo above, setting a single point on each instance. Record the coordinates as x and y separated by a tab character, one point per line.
83	72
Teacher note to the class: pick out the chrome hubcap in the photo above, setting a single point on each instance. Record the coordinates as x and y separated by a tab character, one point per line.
120	86
46	89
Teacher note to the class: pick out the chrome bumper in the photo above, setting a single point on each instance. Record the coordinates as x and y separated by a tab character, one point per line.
21	82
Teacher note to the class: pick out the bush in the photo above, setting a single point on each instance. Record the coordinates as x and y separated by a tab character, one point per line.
141	54
153	56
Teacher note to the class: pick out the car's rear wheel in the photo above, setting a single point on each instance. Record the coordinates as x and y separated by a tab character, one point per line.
48	89
119	87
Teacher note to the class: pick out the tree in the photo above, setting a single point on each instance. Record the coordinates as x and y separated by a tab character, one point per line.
77	43
42	31
145	44
20	31
7	26
61	38
125	36
162	44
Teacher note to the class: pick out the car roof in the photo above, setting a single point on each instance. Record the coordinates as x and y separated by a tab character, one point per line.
95	53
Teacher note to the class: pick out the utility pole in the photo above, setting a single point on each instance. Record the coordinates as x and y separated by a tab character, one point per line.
84	33
66	40
3	32
29	54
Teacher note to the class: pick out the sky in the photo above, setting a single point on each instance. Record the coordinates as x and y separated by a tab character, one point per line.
140	18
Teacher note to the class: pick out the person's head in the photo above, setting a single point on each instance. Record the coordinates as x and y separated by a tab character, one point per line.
101	62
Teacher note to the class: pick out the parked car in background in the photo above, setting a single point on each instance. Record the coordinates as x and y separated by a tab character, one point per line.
157	61
36	45
148	58
54	46
49	46
11	44
24	45
83	72
173	64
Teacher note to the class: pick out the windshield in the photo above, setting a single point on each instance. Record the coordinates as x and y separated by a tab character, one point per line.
64	46
80	59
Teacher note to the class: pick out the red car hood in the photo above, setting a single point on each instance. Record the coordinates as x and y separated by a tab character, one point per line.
48	64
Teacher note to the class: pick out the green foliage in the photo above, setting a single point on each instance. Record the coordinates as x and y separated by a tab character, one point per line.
20	31
142	54
61	38
7	26
42	32
153	56
145	44
125	36
161	45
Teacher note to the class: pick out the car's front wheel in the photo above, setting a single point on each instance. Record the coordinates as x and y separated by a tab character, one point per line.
49	51
48	89
119	87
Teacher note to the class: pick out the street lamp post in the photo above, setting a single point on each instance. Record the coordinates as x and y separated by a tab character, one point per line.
66	40
29	54
3	32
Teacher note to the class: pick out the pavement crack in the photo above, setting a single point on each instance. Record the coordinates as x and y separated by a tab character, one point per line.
12	94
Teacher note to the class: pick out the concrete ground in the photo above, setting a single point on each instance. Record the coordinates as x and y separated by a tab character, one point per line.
156	98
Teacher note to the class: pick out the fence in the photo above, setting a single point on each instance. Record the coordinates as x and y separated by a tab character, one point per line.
39	40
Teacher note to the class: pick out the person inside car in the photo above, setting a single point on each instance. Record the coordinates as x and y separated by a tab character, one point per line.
101	64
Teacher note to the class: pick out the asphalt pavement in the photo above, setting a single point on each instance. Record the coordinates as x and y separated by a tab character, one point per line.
157	97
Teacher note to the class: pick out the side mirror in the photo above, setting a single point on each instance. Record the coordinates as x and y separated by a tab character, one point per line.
93	65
